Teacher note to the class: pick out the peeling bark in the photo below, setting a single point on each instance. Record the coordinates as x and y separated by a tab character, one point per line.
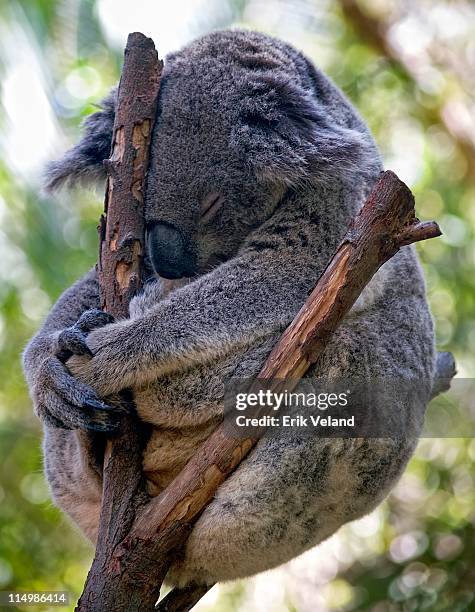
122	232
121	251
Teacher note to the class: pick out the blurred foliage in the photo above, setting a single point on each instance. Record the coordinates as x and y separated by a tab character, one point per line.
412	84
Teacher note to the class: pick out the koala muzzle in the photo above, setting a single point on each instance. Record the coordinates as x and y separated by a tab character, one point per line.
168	253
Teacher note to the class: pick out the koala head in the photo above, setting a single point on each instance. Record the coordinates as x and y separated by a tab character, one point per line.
242	118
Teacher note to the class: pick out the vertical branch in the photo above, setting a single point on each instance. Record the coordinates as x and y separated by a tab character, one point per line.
121	251
122	236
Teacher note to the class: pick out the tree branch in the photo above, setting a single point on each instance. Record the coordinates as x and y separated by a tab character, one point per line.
183	600
122	245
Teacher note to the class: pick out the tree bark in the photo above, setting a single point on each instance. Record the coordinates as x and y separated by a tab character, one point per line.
121	251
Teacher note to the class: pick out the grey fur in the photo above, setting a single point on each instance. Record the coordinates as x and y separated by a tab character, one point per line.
248	117
83	162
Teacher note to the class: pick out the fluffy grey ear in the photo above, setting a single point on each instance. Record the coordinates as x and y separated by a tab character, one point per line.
288	134
84	161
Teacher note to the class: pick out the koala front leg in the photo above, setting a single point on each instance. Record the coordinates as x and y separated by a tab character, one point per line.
224	311
72	456
62	401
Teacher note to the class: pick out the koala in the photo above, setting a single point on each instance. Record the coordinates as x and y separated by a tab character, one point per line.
258	164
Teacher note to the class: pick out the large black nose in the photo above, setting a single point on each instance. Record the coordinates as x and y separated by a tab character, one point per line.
167	251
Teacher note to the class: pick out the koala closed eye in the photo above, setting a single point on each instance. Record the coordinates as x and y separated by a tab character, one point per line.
210	205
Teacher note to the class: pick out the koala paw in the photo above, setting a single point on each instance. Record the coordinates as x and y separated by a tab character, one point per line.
63	401
72	340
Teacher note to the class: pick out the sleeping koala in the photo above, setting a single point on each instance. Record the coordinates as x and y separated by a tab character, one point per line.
258	164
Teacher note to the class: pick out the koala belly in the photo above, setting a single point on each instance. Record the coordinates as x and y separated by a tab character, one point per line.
285	498
290	494
167	452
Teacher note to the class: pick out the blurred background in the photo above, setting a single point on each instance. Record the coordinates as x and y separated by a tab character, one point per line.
409	66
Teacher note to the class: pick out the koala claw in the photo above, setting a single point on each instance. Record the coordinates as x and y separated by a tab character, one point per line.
71	341
97	424
97	405
64	402
104	426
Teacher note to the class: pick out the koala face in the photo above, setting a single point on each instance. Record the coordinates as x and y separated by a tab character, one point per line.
202	194
241	118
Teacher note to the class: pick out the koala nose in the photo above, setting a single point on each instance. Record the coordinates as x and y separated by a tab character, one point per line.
167	251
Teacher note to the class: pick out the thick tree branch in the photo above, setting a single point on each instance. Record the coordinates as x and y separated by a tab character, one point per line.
122	245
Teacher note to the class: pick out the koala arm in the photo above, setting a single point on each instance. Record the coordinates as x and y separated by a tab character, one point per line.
59	399
81	296
229	308
71	457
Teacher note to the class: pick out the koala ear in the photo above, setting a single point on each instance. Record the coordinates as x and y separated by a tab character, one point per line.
84	161
289	136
